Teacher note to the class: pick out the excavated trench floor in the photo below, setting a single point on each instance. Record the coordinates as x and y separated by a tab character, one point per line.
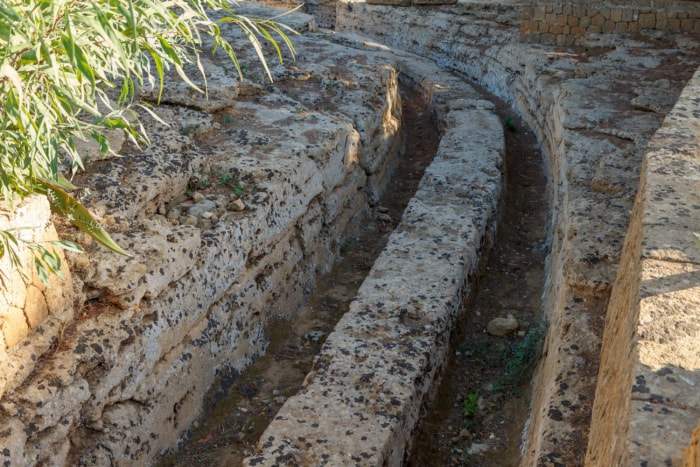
480	409
239	409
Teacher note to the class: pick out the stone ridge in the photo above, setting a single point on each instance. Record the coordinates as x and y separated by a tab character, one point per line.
228	214
653	315
362	399
594	108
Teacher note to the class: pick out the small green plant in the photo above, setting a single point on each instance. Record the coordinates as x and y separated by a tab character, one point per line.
509	124
523	356
471	404
224	179
239	189
228	118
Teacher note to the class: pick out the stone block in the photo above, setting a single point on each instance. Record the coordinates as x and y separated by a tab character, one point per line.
674	24
561	40
555	29
627	15
595	30
538	13
608	27
616	14
548	39
584	22
578	31
598	20
562	20
633	27
550	18
647	20
620	28
661	20
543	27
527	12
572	21
14	326
687	25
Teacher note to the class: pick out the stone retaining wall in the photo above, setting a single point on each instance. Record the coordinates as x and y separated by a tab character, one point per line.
568	23
361	401
647	399
229	215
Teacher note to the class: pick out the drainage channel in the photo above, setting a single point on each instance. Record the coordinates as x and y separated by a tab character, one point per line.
480	410
240	407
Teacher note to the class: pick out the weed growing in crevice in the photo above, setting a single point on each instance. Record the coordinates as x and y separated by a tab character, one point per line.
522	358
508	124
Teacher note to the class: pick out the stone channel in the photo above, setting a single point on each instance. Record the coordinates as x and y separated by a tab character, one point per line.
246	196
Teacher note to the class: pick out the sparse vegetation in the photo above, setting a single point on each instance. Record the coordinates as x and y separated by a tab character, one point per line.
71	70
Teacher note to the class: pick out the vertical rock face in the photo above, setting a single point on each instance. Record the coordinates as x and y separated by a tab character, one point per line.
228	214
26	302
653	311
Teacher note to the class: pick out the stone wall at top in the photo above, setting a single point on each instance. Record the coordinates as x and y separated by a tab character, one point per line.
568	23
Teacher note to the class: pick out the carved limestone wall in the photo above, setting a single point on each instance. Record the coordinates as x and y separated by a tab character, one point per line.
228	214
594	110
647	399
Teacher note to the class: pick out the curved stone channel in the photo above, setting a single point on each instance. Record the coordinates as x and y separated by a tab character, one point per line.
246	197
240	406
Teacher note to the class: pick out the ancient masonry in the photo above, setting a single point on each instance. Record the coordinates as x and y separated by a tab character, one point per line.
569	23
244	197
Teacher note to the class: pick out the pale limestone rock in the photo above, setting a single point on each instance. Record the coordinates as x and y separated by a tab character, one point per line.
500	327
160	253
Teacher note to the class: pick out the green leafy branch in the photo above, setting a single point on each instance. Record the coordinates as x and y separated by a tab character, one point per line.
71	69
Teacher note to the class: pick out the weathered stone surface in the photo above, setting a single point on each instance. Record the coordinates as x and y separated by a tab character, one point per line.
127	375
653	313
362	399
26	301
594	124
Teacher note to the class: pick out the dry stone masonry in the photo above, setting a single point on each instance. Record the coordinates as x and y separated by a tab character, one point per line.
244	197
568	23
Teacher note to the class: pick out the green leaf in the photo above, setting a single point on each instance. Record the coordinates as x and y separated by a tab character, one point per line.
67	206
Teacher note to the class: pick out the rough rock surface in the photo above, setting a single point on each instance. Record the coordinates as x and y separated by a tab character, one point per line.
119	377
653	312
361	401
590	107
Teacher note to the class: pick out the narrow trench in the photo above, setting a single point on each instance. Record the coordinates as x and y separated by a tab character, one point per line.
237	411
480	409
